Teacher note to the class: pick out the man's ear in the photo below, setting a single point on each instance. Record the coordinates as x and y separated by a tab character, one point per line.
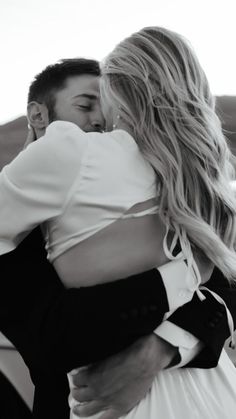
37	115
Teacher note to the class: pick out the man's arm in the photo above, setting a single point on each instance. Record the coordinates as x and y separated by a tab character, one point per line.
207	320
119	382
60	328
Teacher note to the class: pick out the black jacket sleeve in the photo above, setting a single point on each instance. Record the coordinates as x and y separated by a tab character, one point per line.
63	328
207	320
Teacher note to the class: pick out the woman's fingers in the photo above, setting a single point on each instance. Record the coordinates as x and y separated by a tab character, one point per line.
30	137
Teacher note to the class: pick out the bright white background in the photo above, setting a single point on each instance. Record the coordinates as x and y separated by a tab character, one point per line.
34	34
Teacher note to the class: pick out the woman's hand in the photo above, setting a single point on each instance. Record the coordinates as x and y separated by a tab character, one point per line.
30	137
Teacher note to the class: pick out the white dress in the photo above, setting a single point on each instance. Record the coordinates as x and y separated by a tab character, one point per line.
77	184
189	393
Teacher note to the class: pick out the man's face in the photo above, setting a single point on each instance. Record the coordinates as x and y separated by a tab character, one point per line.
79	102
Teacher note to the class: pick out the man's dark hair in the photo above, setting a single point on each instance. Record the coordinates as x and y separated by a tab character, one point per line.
53	78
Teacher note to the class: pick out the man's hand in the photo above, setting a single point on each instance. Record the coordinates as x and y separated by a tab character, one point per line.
115	385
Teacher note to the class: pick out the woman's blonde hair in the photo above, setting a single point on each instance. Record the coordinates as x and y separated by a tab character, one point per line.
163	96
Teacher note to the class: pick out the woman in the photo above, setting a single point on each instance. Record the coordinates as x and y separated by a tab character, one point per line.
149	176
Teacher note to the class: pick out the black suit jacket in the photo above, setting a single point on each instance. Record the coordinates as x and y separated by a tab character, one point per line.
56	330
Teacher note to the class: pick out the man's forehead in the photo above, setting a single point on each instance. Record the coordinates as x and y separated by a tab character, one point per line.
85	85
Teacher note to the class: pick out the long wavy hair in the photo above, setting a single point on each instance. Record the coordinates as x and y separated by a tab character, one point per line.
155	81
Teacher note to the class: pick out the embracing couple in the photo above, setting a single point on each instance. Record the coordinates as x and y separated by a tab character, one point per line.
130	182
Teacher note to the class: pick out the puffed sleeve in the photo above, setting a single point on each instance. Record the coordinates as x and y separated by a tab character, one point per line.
34	187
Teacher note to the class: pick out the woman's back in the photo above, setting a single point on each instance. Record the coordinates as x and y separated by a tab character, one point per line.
124	248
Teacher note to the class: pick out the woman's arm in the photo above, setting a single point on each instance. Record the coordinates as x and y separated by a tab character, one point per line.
58	328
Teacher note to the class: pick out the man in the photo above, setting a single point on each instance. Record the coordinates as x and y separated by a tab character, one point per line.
109	318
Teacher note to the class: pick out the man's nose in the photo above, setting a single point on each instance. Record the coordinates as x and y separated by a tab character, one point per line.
98	122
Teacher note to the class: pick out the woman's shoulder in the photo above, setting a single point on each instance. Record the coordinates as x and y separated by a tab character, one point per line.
117	152
116	139
64	129
69	141
63	137
65	126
